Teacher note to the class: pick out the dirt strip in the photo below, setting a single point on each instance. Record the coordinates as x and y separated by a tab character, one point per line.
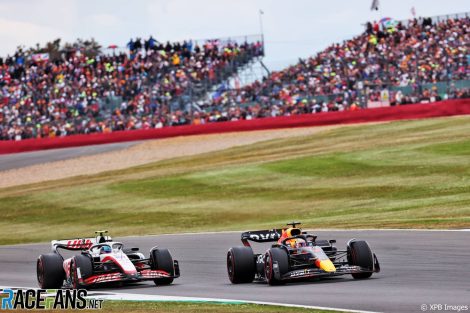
143	153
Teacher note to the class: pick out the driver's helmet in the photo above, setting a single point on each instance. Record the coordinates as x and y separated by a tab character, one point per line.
297	243
105	250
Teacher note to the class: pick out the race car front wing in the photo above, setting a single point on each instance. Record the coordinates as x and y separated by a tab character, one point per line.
146	274
314	272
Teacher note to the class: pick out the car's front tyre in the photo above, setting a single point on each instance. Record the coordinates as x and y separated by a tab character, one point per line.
83	264
161	260
360	254
275	256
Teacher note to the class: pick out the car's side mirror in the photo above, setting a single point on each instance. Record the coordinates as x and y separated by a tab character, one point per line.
332	241
134	249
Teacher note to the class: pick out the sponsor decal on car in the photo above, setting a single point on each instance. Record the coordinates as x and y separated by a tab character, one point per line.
153	274
79	244
350	268
265	236
103	278
303	273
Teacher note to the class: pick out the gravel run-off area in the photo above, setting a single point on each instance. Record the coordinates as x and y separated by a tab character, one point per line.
145	152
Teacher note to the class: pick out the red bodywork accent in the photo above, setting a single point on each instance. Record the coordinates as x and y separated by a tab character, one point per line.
66	266
79	244
152	274
103	278
110	277
283	236
139	265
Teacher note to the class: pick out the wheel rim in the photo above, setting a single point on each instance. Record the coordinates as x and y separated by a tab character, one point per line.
268	267
40	272
73	274
230	266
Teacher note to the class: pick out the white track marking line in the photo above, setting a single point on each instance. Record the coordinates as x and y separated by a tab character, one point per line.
159	298
240	231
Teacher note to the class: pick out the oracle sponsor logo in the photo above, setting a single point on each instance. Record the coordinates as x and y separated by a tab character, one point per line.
299	273
350	268
265	236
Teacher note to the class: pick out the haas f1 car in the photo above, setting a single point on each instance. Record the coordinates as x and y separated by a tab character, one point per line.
297	255
102	260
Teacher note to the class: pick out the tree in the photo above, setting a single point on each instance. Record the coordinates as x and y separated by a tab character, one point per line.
90	47
51	47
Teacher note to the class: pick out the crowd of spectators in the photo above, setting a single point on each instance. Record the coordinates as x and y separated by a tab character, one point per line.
254	110
61	97
49	98
386	56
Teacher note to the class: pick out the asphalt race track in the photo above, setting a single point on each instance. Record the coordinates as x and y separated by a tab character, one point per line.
418	267
18	160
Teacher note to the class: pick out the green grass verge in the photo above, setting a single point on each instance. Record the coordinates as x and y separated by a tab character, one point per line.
192	307
406	174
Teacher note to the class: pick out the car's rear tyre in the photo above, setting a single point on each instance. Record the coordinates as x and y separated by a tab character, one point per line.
85	265
50	271
241	265
162	260
359	254
275	255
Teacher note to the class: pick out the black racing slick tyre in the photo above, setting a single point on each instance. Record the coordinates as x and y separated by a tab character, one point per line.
359	254
272	256
83	264
162	260
241	265
50	271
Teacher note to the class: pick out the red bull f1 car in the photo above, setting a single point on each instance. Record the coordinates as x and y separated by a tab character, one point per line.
102	260
297	255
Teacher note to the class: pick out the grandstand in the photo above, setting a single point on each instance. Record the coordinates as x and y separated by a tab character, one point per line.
79	93
154	85
414	61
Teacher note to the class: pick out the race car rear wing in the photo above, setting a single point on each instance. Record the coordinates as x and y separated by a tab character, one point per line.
261	236
79	243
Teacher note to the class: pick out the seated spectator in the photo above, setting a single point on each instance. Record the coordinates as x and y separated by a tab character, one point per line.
161	85
50	98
